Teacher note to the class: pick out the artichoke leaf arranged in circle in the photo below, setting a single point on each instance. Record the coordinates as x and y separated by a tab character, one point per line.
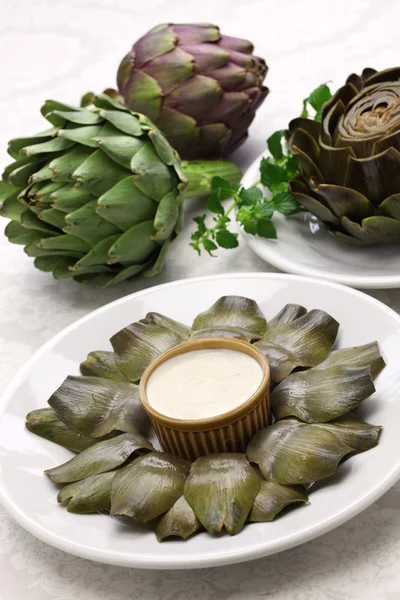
116	469
98	196
201	88
350	160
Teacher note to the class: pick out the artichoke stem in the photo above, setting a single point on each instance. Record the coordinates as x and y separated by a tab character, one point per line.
199	174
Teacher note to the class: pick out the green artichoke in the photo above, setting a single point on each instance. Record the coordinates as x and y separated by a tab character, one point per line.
98	196
118	470
201	88
350	160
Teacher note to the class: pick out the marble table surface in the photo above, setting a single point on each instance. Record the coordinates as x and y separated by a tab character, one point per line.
62	48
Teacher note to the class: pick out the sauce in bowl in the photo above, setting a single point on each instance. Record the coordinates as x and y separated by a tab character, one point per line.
203	383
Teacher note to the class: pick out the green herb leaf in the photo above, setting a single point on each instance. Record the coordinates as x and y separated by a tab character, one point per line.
201	223
223	186
266	229
274	143
254	210
319	96
214	202
227	239
264	211
250	226
209	246
286	204
250	196
271	175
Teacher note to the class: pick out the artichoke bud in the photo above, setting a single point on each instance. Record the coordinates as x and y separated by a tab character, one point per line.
201	88
98	196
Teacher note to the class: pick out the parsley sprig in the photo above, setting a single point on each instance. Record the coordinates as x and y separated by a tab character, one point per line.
255	208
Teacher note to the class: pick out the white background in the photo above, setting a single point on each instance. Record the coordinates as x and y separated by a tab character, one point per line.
61	49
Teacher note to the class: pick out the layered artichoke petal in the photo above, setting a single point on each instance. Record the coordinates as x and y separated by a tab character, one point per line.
103	457
272	498
89	495
390	207
179	521
149	486
101	363
230	316
303	395
373	230
304	342
221	489
137	345
97	406
45	423
345	202
291	453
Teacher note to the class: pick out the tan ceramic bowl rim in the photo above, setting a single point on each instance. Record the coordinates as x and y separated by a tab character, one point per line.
222	419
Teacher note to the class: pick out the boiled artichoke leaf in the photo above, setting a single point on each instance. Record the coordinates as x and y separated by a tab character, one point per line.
104	456
288	314
272	498
221	489
96	406
45	423
290	452
367	355
149	486
230	316
179	521
354	432
137	345
321	395
89	495
304	342
156	318
101	364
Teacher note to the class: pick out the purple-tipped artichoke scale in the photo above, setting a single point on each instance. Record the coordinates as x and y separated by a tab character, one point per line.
201	88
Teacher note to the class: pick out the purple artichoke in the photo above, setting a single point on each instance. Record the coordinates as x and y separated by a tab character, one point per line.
201	88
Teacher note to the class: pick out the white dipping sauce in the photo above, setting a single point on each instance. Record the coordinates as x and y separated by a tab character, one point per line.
203	383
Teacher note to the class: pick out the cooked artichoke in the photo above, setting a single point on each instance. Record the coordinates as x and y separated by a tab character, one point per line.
119	470
349	162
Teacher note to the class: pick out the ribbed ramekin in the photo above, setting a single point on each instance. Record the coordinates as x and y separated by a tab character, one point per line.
228	432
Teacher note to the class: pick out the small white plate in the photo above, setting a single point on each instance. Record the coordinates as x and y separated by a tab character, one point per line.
305	247
30	497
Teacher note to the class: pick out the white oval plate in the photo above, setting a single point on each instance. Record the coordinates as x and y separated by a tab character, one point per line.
305	247
31	499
